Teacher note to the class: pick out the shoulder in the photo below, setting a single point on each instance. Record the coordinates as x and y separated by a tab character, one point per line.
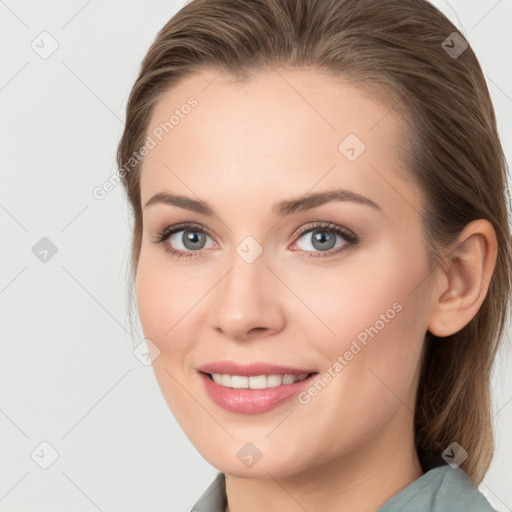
441	489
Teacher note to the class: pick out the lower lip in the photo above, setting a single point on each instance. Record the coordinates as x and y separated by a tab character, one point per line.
252	401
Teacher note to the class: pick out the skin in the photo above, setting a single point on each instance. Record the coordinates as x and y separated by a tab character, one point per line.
243	148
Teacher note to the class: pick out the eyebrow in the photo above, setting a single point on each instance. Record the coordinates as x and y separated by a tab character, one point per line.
281	209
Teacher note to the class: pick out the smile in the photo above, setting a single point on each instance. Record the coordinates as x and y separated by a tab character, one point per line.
257	381
254	394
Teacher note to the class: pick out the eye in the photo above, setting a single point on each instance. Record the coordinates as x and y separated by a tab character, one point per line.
322	238
188	238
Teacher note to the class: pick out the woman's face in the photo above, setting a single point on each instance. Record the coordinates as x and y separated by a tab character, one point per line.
250	288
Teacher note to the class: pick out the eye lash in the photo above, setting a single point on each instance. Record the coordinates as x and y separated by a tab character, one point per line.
165	233
162	235
345	233
329	227
352	240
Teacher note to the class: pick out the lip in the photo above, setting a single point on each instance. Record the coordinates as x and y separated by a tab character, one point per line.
252	401
253	369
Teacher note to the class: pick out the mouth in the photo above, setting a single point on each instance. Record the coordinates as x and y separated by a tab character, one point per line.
254	394
262	381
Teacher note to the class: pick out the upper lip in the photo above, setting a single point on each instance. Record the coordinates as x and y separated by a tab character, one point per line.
251	370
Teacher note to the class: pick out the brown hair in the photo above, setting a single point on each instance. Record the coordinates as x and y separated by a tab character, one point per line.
452	151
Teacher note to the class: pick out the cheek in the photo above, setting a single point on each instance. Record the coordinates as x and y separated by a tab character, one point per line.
164	296
374	287
151	299
377	309
173	303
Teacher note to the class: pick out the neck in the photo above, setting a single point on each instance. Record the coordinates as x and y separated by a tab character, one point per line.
359	481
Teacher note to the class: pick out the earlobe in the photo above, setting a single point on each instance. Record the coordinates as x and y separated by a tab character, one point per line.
462	287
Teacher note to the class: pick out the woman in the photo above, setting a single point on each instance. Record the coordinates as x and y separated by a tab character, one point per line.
353	376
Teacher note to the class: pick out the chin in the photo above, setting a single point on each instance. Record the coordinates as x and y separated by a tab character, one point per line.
244	459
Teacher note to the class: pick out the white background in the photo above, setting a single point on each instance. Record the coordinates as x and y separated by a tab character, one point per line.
67	373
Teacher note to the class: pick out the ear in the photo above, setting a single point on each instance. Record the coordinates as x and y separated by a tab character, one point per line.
462	286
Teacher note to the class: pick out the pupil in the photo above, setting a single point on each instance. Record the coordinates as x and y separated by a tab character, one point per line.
193	238
320	236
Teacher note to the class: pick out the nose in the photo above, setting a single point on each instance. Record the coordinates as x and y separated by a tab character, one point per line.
246	301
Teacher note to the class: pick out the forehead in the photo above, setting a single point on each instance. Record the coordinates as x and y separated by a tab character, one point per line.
280	129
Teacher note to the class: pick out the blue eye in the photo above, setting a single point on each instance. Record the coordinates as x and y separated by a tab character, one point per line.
323	238
192	238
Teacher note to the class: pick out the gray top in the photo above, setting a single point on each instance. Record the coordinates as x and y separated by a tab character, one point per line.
440	489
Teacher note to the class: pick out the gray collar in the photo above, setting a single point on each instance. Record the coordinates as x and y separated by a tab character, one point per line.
440	489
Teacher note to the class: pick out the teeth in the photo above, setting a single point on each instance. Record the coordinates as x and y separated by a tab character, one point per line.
256	382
